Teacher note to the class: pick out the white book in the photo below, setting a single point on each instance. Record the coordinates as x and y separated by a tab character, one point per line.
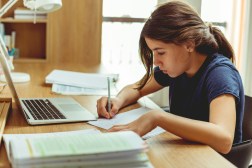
7	40
77	148
29	16
78	79
21	11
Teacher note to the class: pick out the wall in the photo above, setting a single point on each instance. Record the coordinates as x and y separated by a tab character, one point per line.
74	32
248	50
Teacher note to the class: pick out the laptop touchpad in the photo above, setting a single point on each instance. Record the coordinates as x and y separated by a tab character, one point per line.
70	107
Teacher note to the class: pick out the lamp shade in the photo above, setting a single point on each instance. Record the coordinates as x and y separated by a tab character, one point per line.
43	6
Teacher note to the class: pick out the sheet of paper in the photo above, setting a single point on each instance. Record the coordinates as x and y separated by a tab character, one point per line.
125	118
86	80
73	90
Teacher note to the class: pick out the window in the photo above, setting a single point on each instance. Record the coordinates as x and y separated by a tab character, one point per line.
213	11
122	24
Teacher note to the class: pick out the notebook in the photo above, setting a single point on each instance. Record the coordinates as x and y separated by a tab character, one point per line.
45	110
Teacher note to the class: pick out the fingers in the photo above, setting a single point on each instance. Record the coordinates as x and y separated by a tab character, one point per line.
101	107
116	128
127	127
114	111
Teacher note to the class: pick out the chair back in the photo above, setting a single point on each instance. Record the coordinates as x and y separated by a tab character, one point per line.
247	119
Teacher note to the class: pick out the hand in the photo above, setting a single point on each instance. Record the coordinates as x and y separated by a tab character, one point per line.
102	107
141	126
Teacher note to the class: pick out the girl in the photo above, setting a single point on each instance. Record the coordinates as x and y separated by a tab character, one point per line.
205	89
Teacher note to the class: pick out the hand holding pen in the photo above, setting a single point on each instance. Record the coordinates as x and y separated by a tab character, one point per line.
106	106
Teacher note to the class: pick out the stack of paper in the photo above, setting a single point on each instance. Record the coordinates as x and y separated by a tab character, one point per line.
76	83
77	149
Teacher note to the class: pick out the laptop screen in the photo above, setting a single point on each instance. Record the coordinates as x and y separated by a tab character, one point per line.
6	70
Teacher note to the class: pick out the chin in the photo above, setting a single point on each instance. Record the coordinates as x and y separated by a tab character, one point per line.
172	75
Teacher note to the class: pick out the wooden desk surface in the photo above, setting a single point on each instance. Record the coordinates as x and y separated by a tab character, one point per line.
165	150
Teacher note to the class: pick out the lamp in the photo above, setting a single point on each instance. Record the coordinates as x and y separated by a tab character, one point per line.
45	6
41	6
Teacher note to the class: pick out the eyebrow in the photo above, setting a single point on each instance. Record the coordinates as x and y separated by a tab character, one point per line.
156	49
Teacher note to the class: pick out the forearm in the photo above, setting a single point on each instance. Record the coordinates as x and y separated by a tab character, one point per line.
128	95
204	132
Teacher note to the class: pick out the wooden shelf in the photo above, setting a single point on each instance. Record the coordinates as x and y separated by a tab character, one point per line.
71	34
30	40
12	20
30	60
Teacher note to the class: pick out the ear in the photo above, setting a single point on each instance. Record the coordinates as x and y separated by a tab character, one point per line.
190	46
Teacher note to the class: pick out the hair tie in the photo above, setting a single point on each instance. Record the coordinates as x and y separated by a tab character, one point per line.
210	27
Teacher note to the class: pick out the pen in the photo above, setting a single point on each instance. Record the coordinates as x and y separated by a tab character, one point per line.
109	103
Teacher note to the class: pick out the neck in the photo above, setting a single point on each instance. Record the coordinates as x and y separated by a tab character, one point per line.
197	60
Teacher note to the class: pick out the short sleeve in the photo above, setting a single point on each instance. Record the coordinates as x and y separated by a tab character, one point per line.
161	78
223	80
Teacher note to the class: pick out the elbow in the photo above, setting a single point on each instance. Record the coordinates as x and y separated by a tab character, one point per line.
226	145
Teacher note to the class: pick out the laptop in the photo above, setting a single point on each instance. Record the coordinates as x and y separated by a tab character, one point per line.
45	110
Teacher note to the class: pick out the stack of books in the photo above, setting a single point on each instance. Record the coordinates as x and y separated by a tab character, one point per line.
77	149
22	13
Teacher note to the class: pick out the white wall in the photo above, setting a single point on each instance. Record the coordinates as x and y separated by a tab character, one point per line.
247	54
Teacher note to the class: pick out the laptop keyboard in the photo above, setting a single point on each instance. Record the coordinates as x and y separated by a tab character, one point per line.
43	109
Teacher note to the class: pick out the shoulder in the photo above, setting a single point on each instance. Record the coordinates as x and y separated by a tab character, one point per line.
222	78
220	68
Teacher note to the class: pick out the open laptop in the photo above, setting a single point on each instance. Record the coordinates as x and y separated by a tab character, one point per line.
45	110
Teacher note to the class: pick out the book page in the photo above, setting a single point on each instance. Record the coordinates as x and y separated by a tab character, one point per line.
55	145
16	137
125	118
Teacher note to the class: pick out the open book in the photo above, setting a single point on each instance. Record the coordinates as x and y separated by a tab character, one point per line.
77	149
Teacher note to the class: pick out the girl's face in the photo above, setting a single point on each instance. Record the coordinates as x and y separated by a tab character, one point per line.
172	59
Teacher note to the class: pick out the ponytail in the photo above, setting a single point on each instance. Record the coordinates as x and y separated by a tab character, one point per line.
224	46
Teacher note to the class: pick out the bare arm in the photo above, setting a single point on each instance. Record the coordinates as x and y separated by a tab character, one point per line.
217	133
128	95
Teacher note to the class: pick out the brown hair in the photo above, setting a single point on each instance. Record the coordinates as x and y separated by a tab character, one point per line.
176	22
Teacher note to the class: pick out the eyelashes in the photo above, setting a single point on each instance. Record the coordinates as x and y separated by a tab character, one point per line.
161	53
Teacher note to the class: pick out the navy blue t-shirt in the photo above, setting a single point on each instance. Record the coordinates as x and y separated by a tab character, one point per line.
190	97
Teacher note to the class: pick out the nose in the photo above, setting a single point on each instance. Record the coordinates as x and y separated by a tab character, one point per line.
156	62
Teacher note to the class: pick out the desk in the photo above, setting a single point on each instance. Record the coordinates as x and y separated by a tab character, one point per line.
165	150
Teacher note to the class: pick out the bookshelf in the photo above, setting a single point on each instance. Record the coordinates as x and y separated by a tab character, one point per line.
71	34
30	40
